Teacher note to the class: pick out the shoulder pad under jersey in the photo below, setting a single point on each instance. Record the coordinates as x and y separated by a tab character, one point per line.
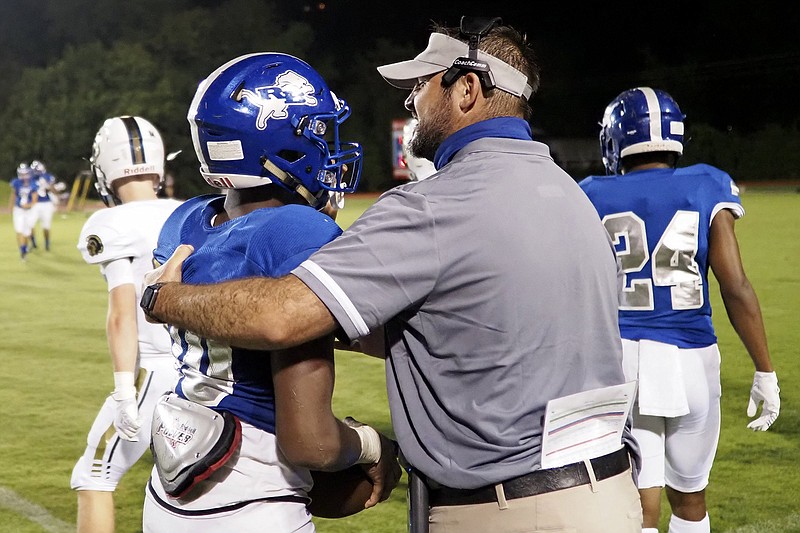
109	234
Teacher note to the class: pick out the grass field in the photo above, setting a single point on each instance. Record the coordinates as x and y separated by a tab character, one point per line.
55	373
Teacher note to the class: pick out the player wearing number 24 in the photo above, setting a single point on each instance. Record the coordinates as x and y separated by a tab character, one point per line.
669	225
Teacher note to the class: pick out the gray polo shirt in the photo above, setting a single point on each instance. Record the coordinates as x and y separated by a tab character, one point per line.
497	286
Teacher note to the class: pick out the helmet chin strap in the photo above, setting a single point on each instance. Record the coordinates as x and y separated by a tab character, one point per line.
293	183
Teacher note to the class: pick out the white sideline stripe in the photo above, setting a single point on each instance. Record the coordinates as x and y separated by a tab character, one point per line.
786	524
14	502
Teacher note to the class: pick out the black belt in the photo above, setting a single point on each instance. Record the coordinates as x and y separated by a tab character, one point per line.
538	482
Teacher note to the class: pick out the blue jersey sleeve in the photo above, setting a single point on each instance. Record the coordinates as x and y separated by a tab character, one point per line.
295	233
265	242
178	227
717	190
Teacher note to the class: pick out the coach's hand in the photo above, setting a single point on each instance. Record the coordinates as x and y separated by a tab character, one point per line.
169	272
765	389
126	418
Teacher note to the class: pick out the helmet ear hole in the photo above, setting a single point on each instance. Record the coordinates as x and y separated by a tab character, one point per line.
290	156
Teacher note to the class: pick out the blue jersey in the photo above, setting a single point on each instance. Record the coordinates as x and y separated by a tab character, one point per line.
43	183
266	242
659	221
23	191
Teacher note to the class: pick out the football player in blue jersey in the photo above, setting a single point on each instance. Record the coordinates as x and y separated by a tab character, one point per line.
46	203
669	225
265	128
23	201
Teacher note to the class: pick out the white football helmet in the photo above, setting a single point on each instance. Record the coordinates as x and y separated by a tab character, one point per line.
418	168
126	146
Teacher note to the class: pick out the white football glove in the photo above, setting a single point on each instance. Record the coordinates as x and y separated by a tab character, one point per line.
126	419
765	389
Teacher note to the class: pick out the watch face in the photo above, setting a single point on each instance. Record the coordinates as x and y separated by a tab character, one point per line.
149	297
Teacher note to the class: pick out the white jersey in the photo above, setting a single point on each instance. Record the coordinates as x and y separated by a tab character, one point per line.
130	231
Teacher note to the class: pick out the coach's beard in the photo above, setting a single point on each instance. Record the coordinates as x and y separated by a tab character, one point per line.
430	134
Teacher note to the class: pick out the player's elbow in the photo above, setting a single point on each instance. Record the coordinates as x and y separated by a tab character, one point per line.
738	293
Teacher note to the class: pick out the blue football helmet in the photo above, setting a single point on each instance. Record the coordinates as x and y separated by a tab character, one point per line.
271	118
637	121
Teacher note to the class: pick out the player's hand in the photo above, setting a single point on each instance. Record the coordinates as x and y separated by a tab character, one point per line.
171	270
765	389
386	473
126	418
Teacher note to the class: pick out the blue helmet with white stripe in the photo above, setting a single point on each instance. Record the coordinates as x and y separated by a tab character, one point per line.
637	121
271	118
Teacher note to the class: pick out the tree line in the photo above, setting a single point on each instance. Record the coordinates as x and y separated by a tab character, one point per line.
152	69
69	64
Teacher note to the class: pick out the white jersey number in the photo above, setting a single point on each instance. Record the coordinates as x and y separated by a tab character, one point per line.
673	262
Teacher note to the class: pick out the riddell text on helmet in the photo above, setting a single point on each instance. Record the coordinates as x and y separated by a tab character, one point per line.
149	169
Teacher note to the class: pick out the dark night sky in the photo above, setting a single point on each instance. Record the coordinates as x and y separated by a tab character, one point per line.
731	64
603	31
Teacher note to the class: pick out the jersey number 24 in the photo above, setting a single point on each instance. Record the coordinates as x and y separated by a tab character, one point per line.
673	262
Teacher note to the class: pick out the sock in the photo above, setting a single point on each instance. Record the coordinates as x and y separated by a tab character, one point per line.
23	250
33	241
679	525
649	530
47	244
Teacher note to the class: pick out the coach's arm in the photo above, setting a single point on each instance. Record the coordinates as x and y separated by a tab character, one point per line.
254	313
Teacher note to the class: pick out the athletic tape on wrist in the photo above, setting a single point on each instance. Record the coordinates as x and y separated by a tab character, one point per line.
370	445
124	386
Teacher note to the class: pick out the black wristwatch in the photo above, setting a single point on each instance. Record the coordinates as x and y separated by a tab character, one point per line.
148	301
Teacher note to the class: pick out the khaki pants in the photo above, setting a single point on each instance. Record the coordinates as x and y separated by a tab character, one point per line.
605	506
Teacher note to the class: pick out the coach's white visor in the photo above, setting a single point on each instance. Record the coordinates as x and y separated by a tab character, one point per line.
440	54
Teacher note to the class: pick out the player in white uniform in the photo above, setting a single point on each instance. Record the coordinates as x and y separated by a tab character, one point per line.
669	225
128	161
46	203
